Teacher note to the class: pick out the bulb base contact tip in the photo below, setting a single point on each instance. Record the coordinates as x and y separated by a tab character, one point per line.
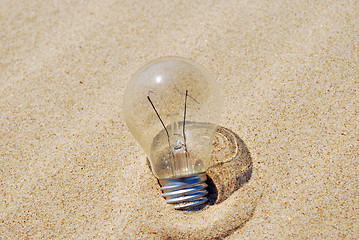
185	192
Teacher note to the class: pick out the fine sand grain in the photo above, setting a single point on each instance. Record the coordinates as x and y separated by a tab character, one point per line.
69	168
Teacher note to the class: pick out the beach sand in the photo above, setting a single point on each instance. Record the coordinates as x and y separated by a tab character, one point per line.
70	169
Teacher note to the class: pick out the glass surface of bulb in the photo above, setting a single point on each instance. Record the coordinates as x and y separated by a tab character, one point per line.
172	107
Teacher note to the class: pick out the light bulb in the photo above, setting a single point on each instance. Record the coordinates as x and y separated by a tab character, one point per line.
172	107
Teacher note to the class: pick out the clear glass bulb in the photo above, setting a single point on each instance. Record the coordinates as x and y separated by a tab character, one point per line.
172	107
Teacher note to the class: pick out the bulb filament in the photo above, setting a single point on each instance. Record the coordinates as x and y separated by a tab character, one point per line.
177	144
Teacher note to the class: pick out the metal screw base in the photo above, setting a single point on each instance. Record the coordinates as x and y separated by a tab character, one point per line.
185	192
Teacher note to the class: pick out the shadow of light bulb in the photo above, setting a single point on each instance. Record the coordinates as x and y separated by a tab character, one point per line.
172	107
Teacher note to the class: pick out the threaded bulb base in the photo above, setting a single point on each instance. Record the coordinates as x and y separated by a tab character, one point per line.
185	192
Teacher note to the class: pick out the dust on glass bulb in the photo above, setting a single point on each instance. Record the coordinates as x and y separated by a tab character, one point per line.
172	107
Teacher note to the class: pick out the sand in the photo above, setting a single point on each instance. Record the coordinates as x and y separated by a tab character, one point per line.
70	169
